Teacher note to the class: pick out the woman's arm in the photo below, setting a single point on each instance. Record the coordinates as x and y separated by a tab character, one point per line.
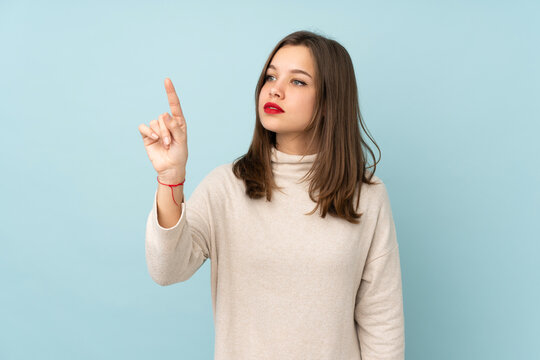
174	253
379	310
379	301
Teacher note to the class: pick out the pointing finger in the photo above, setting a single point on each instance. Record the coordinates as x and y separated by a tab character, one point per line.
174	102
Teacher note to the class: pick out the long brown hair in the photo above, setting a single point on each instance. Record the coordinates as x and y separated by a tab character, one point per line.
340	165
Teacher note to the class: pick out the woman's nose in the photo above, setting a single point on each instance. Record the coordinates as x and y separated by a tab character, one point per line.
275	91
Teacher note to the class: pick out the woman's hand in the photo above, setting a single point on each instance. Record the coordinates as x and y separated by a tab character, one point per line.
166	140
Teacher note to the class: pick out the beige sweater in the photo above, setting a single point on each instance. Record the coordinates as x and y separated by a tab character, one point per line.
287	285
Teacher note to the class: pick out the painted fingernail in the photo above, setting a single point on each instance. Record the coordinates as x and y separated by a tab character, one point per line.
166	140
154	136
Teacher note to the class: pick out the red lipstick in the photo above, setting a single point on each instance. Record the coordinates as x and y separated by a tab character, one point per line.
272	108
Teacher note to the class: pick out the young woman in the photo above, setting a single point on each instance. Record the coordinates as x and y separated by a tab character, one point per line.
287	282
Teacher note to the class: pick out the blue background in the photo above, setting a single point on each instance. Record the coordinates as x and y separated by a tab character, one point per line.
449	90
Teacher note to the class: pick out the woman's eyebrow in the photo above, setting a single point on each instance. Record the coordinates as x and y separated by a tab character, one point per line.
293	70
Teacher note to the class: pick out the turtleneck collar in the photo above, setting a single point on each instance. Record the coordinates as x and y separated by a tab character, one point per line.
283	158
289	167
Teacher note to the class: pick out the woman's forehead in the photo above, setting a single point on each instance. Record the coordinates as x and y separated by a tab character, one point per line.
293	57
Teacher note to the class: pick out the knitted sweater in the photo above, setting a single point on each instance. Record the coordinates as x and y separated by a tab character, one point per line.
286	285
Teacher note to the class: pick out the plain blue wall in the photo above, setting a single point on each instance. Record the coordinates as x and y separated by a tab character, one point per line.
449	90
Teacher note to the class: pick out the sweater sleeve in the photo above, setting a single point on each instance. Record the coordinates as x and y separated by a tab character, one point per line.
378	311
174	254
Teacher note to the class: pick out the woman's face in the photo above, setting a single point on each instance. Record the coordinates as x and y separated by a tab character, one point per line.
290	83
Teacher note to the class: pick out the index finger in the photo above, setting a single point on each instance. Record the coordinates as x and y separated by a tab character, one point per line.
174	102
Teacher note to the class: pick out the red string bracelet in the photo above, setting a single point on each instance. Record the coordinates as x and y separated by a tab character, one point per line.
171	186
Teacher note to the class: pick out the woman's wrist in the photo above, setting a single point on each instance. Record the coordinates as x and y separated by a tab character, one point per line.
172	177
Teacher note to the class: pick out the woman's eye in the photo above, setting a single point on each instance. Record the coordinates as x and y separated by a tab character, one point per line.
301	83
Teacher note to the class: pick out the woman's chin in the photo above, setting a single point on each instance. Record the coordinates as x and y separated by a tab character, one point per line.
270	125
